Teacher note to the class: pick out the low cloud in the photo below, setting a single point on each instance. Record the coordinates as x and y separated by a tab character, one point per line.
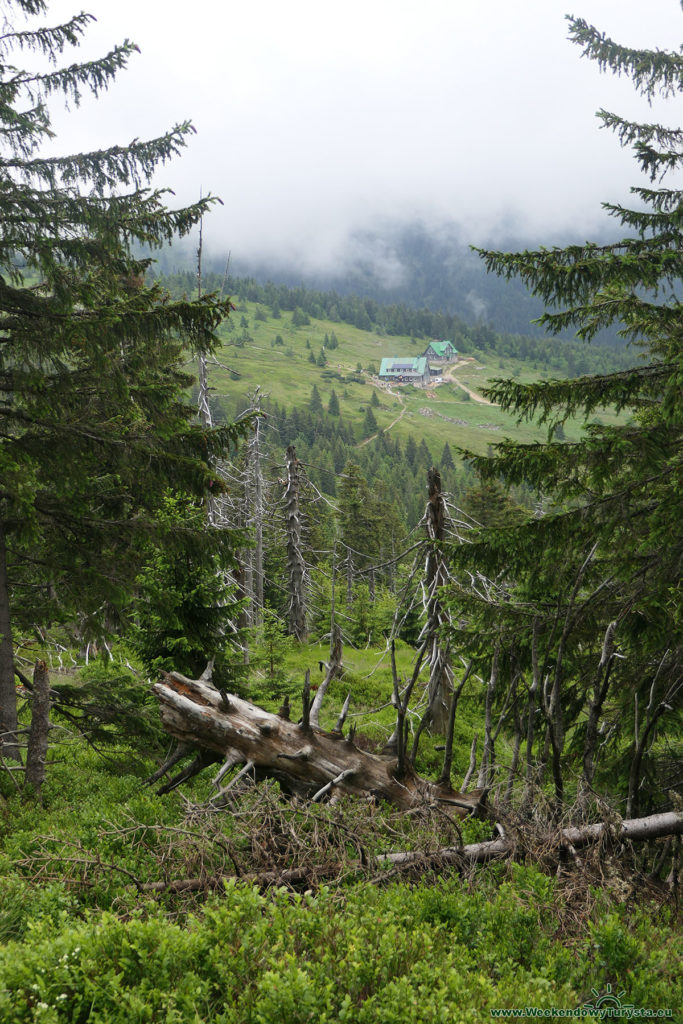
317	123
476	304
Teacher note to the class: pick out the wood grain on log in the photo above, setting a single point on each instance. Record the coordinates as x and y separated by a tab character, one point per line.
305	760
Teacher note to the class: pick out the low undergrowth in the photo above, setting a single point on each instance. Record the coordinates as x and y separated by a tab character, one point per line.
94	927
436	951
117	905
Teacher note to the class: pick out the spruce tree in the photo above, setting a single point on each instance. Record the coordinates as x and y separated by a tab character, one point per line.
411	451
446	461
359	516
94	426
315	402
423	453
333	404
491	507
609	549
369	423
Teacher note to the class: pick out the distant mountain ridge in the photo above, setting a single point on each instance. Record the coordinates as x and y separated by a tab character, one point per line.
414	266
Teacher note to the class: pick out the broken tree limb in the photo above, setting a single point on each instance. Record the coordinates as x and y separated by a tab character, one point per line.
231	760
302	758
200	762
180	751
342	714
306	703
397	742
333	782
472	763
334	669
445	777
667	823
249	767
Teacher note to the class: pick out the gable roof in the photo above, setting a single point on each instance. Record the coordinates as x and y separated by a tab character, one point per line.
441	348
403	364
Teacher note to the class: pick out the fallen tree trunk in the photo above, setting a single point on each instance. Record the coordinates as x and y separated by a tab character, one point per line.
636	829
305	760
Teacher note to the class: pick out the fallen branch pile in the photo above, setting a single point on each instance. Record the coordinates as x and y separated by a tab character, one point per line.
272	845
570	839
314	765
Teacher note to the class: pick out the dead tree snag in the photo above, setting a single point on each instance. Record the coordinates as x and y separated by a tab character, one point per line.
440	669
36	753
296	569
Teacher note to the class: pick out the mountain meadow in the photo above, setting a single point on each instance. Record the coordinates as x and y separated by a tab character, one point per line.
327	695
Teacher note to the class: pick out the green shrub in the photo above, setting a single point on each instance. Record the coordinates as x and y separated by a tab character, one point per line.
438	952
110	703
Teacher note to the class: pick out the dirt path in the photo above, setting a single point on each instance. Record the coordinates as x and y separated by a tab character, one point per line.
448	375
361	444
473	394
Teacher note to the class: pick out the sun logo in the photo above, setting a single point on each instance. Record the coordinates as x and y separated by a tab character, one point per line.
606	999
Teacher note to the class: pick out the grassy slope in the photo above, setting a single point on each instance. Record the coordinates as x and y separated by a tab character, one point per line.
285	373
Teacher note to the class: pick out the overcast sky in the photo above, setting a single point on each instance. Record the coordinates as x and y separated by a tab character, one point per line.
315	118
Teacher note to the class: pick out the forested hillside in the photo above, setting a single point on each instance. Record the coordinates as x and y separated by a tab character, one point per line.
410	266
421	321
316	356
327	697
